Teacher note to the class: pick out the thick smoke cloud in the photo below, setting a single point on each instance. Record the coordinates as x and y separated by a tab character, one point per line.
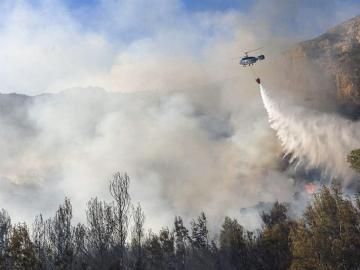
173	149
180	117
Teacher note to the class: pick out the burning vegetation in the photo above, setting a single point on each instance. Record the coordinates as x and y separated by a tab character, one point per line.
327	236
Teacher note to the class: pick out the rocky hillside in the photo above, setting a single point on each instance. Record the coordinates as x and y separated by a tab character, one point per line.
329	64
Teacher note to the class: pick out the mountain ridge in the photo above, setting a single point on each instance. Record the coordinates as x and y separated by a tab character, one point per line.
330	61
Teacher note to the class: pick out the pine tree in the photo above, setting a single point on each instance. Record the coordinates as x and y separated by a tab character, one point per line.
153	253
233	245
181	237
200	233
167	243
201	253
5	230
328	237
21	250
274	245
354	159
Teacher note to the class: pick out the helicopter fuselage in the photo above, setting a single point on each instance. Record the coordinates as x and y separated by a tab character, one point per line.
250	60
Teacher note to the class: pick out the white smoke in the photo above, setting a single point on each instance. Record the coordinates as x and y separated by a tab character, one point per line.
313	139
182	158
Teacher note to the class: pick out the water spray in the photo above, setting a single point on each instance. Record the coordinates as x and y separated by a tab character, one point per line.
311	138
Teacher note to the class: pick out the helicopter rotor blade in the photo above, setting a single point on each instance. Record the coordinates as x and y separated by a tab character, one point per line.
254	50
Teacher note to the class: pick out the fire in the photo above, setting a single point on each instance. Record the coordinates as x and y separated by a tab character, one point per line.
310	188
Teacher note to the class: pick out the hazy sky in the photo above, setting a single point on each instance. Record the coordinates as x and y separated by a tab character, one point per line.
59	44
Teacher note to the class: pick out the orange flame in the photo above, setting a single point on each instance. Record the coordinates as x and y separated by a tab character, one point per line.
310	188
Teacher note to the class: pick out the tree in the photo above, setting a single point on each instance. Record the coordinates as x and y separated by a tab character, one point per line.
167	242
201	254
153	252
100	232
61	236
137	237
200	233
354	159
181	235
233	245
21	250
274	244
80	248
328	236
41	244
5	230
119	190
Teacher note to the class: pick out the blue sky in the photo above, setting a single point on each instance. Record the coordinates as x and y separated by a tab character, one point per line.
303	18
198	5
220	5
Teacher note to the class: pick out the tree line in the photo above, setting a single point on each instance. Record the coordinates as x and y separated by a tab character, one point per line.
326	236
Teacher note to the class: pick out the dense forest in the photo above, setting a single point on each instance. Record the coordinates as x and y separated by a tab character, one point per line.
327	236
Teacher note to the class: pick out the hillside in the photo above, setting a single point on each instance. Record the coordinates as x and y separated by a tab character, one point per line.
330	65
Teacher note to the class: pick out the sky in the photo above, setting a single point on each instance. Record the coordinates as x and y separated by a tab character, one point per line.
84	43
179	113
200	5
92	37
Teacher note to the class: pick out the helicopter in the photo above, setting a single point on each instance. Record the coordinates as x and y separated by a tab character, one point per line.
250	60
